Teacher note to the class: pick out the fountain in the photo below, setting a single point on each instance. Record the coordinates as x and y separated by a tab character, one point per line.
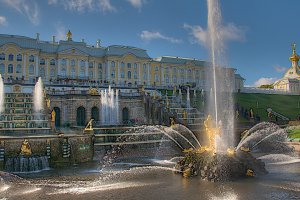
110	107
2	95
38	102
188	101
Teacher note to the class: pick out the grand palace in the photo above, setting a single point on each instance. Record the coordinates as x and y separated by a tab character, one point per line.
70	69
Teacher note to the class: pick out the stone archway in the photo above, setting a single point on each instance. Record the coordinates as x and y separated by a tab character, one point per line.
80	117
57	116
125	115
95	113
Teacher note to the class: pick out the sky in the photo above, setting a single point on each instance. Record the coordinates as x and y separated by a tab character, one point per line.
258	33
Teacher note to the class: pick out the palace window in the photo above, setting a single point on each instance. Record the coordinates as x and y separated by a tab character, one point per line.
182	80
42	72
135	76
63	62
73	72
31	58
10	69
100	66
91	64
113	64
72	63
167	78
129	65
174	71
42	61
11	57
122	74
113	74
82	72
145	75
156	77
2	68
122	65
19	69
129	74
174	79
91	75
31	69
52	62
52	73
82	63
19	57
144	67
135	66
156	68
63	72
2	56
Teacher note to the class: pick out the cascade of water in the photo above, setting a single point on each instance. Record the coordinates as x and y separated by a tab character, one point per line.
109	106
188	101
26	164
2	95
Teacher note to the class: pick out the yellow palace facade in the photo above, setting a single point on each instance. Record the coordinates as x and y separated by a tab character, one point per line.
24	59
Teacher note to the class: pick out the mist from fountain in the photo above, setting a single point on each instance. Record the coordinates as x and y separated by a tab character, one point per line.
2	95
109	107
220	106
188	100
180	96
38	100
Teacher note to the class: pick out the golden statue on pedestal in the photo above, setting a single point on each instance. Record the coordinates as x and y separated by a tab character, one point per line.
172	122
25	148
211	132
89	126
53	115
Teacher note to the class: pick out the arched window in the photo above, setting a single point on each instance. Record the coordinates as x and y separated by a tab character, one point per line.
52	62
72	63
122	65
167	78
11	57
122	74
31	69
174	79
82	63
2	68
63	62
100	71
19	69
129	65
156	77
99	65
73	72
63	72
144	67
19	57
113	64
95	113
2	56
91	75
31	58
82	72
135	66
42	61
91	64
129	74
10	69
156	68
135	75
80	118
125	115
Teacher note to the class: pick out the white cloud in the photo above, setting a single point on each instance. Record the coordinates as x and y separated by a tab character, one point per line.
2	20
230	32
264	81
61	31
136	3
29	8
85	5
280	69
148	36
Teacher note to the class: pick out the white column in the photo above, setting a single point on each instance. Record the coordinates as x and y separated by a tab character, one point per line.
37	66
149	75
24	67
58	67
86	69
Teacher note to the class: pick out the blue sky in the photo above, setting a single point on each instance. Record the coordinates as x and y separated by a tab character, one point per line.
259	32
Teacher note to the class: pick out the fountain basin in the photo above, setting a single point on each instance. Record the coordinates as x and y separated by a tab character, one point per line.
220	166
22	163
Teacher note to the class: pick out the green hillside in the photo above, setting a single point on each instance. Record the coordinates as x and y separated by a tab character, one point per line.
287	105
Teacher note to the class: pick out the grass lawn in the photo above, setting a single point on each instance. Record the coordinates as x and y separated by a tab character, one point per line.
287	105
293	134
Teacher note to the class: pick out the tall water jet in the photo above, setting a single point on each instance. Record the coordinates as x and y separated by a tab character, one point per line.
2	95
180	96
109	107
188	100
38	100
221	104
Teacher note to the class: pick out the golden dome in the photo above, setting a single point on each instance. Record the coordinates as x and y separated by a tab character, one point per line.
294	56
69	35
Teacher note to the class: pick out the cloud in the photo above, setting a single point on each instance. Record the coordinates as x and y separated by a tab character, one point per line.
28	8
61	31
264	81
136	3
85	5
230	32
280	69
2	20
148	36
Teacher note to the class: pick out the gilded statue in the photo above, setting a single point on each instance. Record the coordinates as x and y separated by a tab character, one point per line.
53	114
48	103
25	148
211	131
172	122
89	126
